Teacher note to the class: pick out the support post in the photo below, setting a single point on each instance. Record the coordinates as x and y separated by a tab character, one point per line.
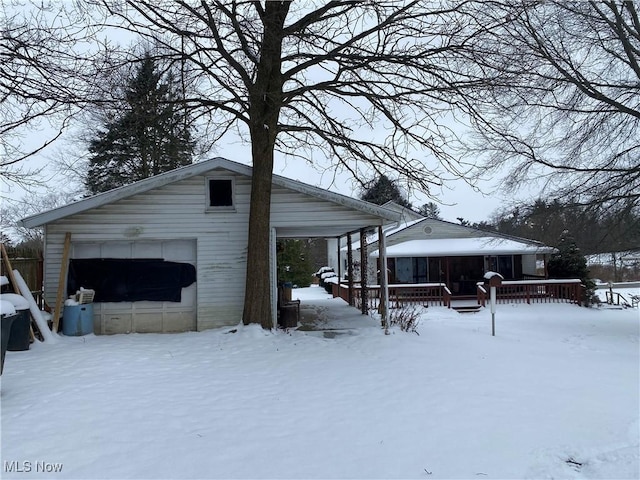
384	280
350	269
339	272
493	311
364	291
62	280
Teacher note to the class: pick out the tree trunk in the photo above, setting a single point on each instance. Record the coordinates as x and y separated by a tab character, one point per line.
265	99
257	300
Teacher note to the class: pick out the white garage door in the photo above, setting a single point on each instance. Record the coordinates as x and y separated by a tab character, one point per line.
143	317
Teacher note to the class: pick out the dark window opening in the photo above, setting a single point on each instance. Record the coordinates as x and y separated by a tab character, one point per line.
220	193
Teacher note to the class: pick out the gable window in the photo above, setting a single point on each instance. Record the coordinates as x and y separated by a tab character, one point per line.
220	193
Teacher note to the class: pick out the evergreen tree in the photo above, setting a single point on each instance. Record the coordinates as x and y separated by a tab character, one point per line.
382	190
569	262
430	210
294	262
150	135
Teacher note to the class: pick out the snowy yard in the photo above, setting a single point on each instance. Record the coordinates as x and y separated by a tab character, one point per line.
554	395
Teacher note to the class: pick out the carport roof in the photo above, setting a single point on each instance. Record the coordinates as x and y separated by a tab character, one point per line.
368	214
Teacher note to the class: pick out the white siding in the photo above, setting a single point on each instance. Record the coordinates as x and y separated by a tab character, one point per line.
438	230
529	266
296	214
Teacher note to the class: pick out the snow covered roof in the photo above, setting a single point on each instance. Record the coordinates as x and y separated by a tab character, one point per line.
463	247
201	168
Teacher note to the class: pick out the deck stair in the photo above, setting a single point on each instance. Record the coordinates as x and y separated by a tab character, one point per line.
465	306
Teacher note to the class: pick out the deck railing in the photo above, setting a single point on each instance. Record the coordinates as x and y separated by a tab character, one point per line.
534	291
437	294
400	295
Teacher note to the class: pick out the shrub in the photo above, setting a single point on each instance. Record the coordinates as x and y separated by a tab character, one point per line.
407	318
327	277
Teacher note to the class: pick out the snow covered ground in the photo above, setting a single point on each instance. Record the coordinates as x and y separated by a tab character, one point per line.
554	395
625	289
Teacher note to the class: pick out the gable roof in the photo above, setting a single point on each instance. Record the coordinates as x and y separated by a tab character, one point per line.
480	243
192	170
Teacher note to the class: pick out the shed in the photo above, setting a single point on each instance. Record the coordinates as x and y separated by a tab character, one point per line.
195	215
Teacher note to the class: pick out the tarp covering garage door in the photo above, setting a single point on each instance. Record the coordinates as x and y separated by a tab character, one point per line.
132	279
146	315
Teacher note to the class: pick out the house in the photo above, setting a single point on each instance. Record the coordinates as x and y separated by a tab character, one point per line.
168	253
425	250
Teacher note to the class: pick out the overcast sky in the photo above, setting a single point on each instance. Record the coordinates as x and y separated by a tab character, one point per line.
457	199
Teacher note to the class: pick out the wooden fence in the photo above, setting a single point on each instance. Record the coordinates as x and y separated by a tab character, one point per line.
535	291
31	271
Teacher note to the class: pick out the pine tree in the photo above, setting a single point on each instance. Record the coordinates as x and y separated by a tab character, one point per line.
149	136
382	190
568	262
430	210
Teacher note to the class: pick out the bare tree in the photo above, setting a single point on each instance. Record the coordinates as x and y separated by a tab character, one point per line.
12	211
50	60
563	106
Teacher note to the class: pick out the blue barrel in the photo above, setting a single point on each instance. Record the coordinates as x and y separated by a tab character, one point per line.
77	319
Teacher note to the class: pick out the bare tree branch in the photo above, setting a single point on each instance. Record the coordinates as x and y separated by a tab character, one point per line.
562	106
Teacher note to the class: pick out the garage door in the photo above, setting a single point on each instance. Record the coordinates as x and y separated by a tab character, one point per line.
144	316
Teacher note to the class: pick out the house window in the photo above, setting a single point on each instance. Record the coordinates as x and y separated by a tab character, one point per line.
404	270
420	270
220	193
503	264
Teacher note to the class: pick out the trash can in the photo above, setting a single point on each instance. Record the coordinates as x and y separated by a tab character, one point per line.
77	319
19	338
7	317
286	291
